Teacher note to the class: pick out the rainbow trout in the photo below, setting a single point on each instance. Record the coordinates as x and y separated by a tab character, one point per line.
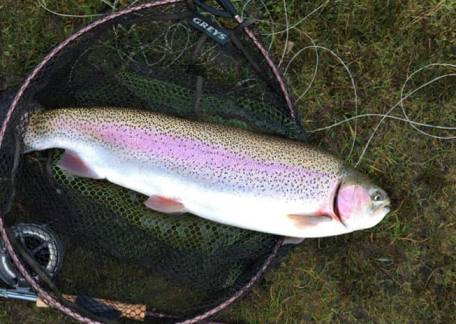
227	175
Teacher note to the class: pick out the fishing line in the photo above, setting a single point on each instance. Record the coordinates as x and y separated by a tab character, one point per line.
386	116
170	42
408	120
268	21
287	27
350	75
414	124
163	45
112	5
42	4
293	26
287	34
436	79
317	62
316	48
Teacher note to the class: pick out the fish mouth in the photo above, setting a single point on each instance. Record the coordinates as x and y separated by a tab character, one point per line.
335	208
386	208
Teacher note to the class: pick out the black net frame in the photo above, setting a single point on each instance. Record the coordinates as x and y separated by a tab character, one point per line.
10	135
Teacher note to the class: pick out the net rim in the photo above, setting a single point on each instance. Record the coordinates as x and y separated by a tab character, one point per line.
4	236
43	294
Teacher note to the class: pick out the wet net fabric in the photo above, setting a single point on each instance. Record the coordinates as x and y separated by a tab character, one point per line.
116	248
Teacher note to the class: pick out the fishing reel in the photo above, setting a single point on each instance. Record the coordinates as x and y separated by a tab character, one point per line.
41	244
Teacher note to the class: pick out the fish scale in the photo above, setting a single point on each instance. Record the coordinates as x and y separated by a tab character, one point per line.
221	173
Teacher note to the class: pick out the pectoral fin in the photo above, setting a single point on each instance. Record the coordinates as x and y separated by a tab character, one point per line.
303	221
292	240
73	164
165	205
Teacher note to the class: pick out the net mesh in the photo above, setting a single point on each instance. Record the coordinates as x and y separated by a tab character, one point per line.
116	248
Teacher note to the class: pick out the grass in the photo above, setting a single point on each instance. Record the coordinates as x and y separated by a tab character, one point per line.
403	270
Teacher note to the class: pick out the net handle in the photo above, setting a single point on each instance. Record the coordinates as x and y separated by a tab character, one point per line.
132	311
42	294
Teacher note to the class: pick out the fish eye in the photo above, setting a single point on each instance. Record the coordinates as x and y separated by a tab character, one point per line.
378	196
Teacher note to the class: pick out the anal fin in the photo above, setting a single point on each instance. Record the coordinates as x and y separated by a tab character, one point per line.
292	240
165	205
73	164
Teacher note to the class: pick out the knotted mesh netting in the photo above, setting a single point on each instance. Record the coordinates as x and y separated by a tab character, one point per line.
147	58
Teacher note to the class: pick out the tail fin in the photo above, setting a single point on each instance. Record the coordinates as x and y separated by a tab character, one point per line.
29	125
